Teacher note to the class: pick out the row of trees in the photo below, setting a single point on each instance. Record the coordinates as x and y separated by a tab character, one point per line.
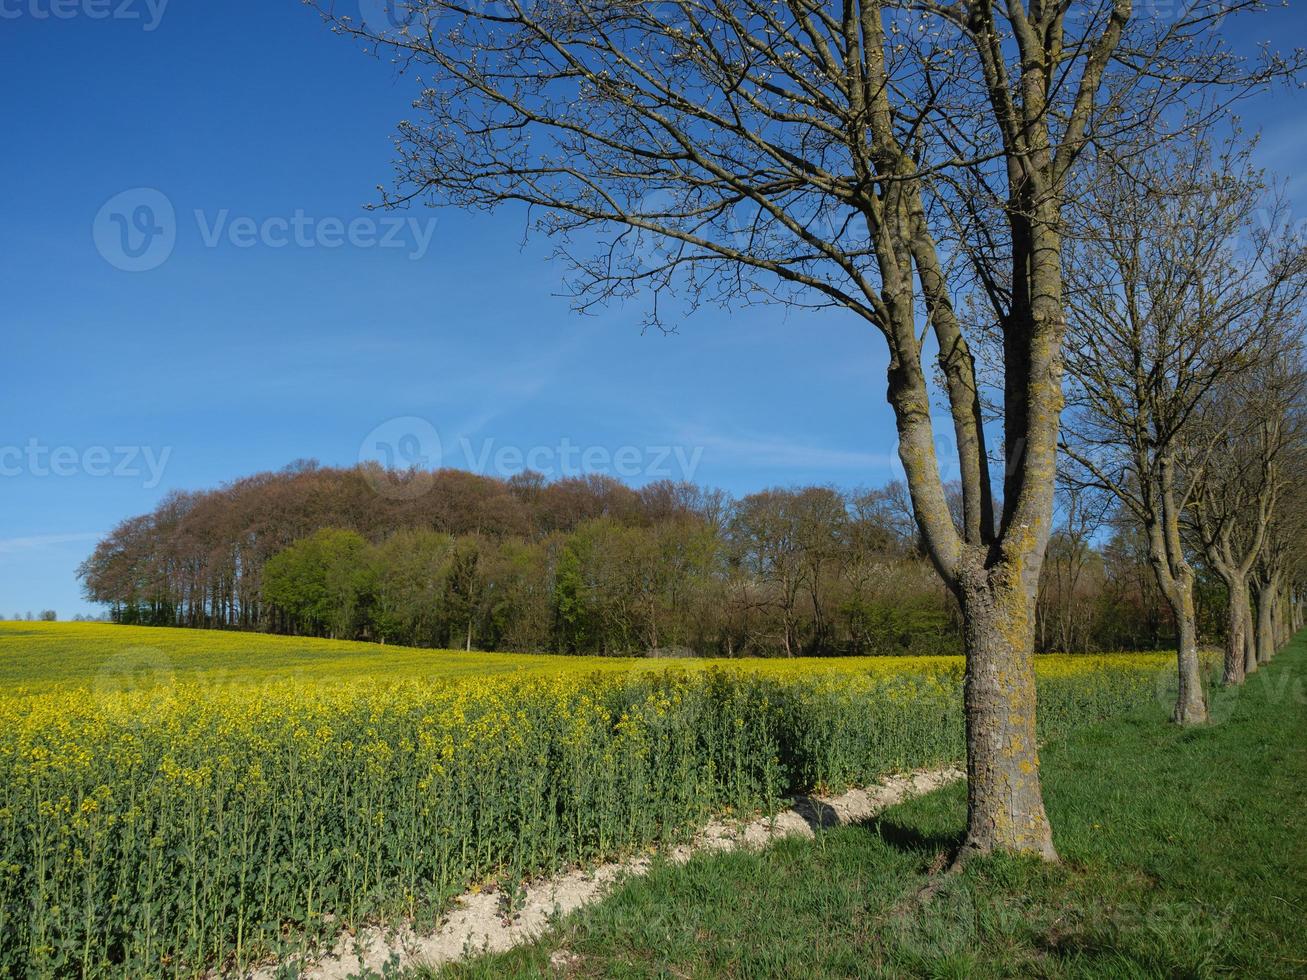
669	569
1186	292
675	588
196	559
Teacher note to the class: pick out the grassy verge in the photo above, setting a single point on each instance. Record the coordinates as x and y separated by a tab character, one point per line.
1183	856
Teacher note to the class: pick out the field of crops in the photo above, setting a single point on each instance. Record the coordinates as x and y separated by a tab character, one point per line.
174	800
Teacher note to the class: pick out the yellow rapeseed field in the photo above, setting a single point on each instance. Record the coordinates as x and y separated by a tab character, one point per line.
176	800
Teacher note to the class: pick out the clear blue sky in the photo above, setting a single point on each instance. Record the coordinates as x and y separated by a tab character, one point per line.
224	360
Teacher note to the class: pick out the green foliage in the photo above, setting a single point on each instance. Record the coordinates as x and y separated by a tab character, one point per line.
569	603
913	626
323	582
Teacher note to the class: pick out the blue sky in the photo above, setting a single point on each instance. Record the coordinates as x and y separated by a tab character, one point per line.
227	358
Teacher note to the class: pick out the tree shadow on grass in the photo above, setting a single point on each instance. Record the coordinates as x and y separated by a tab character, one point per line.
911	840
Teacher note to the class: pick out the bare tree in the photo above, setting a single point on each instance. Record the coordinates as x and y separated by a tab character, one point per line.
1239	488
1281	556
1284	547
1175	283
873	157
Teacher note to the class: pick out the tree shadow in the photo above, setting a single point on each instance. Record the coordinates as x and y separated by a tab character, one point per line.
821	816
910	840
817	815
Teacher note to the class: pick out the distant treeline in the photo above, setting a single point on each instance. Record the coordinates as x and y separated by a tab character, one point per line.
580	565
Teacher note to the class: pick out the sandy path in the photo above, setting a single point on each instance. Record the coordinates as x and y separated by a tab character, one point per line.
477	924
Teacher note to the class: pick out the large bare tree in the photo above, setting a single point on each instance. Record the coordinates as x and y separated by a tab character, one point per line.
1176	281
874	157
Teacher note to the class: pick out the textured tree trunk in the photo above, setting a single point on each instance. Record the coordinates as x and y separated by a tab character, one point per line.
1249	636
1284	619
1282	614
1005	805
1190	708
1175	577
1266	600
1236	618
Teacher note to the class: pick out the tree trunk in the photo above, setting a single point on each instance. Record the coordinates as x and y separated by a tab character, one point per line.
1249	637
1283	618
1005	804
1236	618
1175	577
1190	708
1266	599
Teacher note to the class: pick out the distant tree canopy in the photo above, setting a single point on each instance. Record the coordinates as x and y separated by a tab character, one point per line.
585	565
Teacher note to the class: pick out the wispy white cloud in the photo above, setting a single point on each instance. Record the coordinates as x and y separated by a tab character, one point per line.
45	542
515	381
